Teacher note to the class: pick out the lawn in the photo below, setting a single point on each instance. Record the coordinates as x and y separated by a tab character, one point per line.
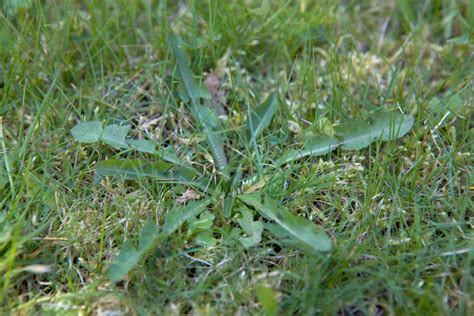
236	157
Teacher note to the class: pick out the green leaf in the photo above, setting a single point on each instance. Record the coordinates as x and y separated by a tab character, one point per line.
201	92
284	238
142	145
13	6
228	205
159	170
452	103
185	174
267	298
317	145
168	154
130	256
176	217
149	146
217	147
390	126
87	132
204	222
208	119
408	9
3	173
207	116
133	169
190	87
202	114
261	117
6	230
237	177
307	236
252	228
206	239
384	126
114	135
229	200
190	176
149	237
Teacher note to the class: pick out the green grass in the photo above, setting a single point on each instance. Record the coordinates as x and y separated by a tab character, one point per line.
399	213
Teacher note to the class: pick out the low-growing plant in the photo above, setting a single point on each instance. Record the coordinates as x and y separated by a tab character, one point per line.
226	183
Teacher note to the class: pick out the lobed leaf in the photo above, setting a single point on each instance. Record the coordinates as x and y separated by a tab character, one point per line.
206	239
114	135
306	235
177	217
142	145
129	256
202	114
203	222
353	135
87	132
253	229
158	170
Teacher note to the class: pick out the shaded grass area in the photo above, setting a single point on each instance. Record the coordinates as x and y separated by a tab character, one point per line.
399	213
